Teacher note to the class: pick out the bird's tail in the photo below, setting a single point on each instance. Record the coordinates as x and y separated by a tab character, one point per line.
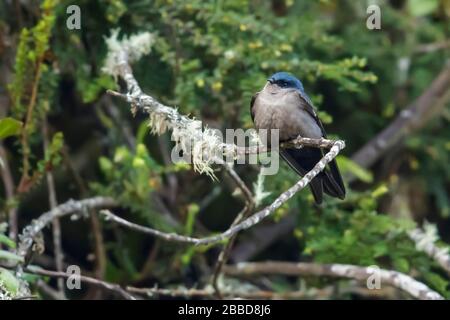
328	181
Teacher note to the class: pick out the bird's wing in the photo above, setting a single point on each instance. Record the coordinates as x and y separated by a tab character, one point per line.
307	105
252	102
305	158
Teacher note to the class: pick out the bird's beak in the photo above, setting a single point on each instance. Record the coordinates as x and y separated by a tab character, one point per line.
270	80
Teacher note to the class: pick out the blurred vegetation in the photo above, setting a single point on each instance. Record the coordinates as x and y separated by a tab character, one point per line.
209	58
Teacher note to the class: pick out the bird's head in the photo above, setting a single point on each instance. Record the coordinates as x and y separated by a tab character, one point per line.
285	80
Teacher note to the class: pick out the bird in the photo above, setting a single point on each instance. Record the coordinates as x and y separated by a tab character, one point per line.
283	104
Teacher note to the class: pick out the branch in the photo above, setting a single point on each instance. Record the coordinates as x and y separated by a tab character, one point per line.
106	285
431	47
8	182
229	294
245	224
297	142
185	131
56	226
412	118
409	120
245	213
205	145
30	232
425	242
392	278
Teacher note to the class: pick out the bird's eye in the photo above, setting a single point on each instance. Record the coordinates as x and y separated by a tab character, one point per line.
283	84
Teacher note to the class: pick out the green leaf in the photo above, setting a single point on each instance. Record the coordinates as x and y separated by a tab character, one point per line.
401	265
193	209
348	165
9	282
9	127
422	7
436	281
7	241
10	256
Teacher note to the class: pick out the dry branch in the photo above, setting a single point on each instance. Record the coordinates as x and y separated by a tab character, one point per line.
30	232
229	294
245	213
247	223
392	278
205	145
62	275
8	182
426	244
184	131
56	225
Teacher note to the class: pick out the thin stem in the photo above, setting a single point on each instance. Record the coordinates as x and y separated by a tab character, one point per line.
106	285
56	226
246	223
8	182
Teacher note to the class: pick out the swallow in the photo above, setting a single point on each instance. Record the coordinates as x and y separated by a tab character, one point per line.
283	104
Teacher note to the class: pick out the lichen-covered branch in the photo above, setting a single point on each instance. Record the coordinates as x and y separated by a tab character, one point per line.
387	277
203	144
186	131
62	275
247	223
31	232
425	241
228	294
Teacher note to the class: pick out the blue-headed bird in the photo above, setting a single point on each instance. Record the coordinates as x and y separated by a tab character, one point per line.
283	104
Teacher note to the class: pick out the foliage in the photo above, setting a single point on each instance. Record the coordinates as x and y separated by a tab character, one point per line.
208	58
9	127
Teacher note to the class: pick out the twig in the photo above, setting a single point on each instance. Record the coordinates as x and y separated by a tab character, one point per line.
30	232
208	293
49	291
411	119
247	211
392	278
8	182
431	47
24	181
297	142
56	226
247	223
99	247
114	112
205	145
106	285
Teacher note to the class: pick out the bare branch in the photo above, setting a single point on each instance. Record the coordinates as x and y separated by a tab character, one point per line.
8	182
229	294
106	285
246	211
392	278
247	223
426	244
30	232
432	47
56	226
411	119
204	146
